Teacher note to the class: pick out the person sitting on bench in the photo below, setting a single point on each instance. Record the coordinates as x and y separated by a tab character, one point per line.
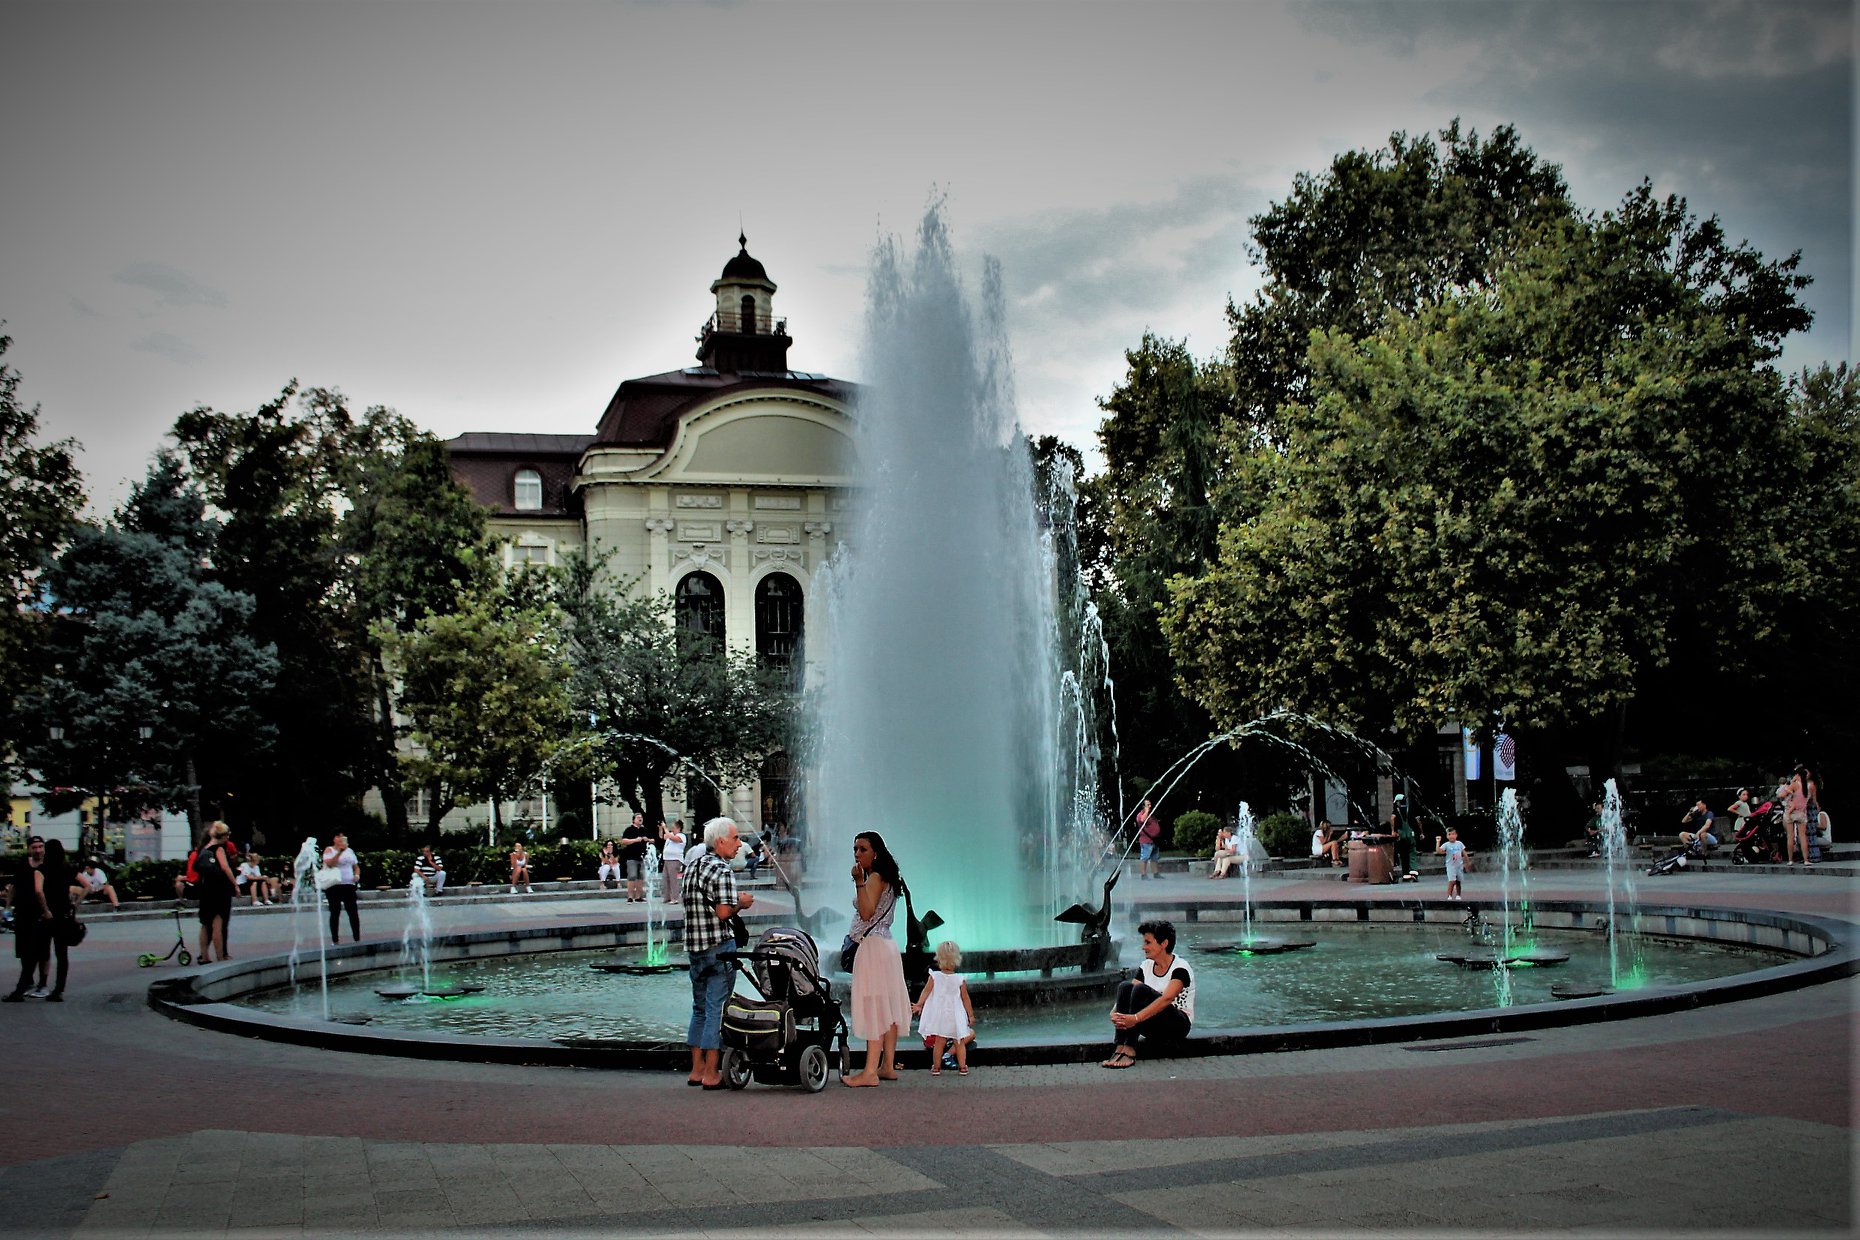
1699	840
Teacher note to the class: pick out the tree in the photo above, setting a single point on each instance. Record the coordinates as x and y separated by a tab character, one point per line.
1381	233
658	701
143	639
1508	498
414	543
316	527
1161	438
41	492
485	686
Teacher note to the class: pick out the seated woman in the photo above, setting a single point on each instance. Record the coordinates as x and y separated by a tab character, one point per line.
608	873
519	868
1226	849
1160	1006
252	882
1324	845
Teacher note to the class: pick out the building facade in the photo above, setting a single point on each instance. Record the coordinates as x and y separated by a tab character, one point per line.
724	485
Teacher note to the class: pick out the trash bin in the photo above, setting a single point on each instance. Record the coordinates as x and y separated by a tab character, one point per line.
1371	861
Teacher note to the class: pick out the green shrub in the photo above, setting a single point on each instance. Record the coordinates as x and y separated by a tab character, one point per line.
1194	832
146	878
1283	835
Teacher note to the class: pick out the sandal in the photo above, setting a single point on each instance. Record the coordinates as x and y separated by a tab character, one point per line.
1122	1059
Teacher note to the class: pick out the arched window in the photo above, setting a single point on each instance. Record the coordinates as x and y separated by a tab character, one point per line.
749	314
528	491
698	607
779	620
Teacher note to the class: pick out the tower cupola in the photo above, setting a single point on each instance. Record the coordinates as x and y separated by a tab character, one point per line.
744	334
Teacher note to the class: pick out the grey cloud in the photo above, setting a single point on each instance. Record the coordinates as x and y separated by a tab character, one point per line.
1733	37
169	346
1079	262
171	287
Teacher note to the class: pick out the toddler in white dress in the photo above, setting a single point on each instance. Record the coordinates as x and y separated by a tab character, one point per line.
943	1011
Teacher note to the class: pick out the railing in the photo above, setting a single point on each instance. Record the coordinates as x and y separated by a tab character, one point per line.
734	323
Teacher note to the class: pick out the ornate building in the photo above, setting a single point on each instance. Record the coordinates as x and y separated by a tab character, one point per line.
722	485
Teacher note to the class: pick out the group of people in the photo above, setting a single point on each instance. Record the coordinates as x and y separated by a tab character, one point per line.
1159	1005
39	896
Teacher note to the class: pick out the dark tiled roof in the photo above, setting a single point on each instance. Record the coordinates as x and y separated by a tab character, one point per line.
514	443
644	412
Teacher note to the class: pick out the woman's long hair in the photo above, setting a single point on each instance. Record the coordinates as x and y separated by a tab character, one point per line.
883	863
55	863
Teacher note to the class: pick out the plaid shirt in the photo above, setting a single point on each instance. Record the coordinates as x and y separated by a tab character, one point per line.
707	883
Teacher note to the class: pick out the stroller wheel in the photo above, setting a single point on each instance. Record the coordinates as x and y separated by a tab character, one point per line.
735	1069
813	1068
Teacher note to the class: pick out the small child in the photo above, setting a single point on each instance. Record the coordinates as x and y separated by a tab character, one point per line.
1456	854
944	1010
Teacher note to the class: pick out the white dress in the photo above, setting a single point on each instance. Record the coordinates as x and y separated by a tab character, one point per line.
943	1015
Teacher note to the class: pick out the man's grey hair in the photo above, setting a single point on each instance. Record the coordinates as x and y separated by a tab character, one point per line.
715	830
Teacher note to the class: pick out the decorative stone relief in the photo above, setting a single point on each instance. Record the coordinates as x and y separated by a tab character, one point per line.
818	529
700	557
694	533
781	555
699	501
659	525
778	534
739	527
782	503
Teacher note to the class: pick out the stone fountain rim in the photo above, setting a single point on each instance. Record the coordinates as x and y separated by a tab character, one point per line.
197	999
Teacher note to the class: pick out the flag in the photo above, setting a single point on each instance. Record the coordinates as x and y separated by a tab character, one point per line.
1470	747
1504	757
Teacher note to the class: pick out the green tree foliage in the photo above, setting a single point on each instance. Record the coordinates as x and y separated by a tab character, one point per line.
1381	233
1152	505
142	637
485	687
414	542
339	526
659	703
41	492
1507	489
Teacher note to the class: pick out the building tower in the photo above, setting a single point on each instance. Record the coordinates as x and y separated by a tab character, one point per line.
744	336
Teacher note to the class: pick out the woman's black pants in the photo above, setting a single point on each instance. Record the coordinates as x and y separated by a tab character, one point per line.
342	896
1168	1025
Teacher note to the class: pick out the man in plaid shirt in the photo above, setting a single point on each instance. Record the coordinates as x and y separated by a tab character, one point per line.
710	900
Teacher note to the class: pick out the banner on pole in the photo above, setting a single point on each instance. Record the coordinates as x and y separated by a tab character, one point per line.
1470	748
1504	758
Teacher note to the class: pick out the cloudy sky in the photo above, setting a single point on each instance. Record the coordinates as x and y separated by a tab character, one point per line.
486	215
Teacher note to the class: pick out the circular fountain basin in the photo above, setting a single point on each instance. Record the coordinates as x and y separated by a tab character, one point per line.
637	968
639	1021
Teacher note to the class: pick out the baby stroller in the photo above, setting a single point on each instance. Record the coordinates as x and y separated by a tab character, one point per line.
1759	839
783	1037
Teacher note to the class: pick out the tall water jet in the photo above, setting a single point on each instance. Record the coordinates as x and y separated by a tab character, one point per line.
1244	842
416	936
939	722
1623	959
306	895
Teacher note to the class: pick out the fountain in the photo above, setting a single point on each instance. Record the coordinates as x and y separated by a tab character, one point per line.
956	714
305	895
1620	875
1512	944
1250	944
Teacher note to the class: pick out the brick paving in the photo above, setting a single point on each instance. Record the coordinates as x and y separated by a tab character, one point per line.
1732	1118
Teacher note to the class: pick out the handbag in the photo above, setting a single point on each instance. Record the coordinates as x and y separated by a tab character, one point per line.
328	877
69	931
849	946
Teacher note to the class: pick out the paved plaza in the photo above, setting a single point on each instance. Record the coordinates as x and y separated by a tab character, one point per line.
1734	1118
